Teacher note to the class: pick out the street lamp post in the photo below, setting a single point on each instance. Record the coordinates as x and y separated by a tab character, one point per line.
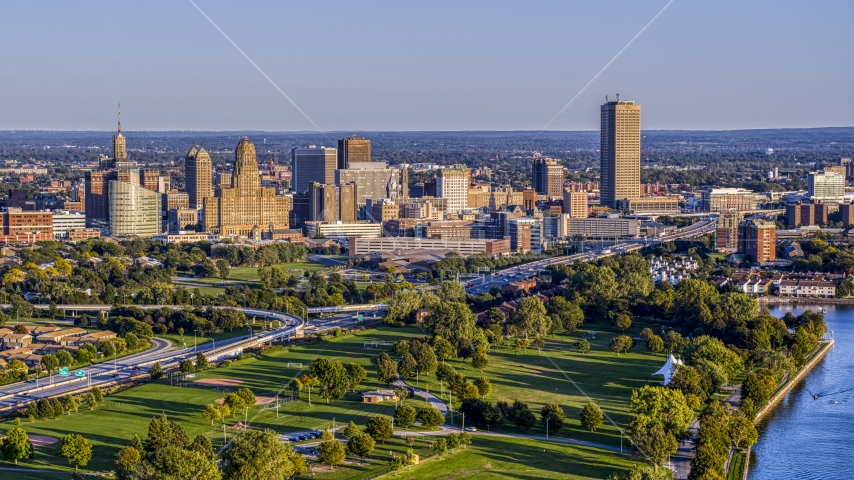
547	428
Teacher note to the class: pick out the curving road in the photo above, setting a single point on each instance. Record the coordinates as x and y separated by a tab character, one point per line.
19	394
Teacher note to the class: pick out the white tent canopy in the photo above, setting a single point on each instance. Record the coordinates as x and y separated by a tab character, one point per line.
668	369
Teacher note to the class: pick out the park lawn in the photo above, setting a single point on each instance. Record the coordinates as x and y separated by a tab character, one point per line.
559	374
496	457
531	377
294	268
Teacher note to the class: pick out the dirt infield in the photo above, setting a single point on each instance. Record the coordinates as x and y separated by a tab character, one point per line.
218	382
42	440
258	400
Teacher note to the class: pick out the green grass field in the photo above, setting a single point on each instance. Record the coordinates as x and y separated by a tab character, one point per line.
605	377
559	374
493	457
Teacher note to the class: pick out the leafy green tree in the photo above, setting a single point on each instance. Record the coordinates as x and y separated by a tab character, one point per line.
430	417
407	366
224	268
524	418
425	356
361	445
660	417
187	366
440	446
330	452
91	403
620	343
386	369
582	345
127	463
70	404
655	443
356	374
235	402
454	322
350	430
623	322
162	433
76	450
555	416
380	428
16	445
484	387
453	441
591	417
203	445
260	454
443	348
96	392
212	412
50	362
247	396
566	316
65	359
404	416
156	371
530	318
201	361
451	292
480	359
655	344
402	307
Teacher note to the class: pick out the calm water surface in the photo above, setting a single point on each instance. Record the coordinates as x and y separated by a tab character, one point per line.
806	438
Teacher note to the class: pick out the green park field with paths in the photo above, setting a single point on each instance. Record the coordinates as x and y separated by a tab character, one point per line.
494	458
607	378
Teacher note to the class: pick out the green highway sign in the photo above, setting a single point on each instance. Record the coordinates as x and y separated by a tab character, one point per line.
80	373
360	317
63	372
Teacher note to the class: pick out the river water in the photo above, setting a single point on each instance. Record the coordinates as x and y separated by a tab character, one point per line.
804	438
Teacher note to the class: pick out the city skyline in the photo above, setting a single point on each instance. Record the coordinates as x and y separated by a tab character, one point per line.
485	72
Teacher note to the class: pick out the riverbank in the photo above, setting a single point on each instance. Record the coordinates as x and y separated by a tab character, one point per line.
824	347
804	301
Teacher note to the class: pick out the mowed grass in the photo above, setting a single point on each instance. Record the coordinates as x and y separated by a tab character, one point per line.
606	378
250	274
494	457
559	374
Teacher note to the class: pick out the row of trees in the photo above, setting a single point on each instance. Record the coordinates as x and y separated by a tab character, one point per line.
16	445
168	453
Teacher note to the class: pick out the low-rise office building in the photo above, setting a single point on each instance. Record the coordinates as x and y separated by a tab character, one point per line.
464	247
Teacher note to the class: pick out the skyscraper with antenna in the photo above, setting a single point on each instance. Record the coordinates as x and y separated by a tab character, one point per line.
119	147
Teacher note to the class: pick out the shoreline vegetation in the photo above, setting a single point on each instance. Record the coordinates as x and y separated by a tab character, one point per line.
744	463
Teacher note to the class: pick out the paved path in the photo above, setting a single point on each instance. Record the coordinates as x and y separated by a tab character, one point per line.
435	401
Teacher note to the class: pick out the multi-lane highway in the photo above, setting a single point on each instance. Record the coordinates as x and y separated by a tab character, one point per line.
21	393
527	270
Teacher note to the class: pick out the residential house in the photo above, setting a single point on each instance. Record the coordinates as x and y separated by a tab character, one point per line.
16	340
95	338
807	288
61	337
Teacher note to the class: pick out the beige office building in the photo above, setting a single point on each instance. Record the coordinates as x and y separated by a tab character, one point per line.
619	152
452	184
245	208
198	176
575	203
134	210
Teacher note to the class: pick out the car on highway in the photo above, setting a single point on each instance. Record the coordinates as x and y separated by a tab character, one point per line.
471	429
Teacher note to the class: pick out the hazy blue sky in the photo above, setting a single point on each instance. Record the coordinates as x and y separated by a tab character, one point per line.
434	65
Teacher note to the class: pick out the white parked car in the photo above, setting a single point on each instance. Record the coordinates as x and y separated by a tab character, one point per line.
471	429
